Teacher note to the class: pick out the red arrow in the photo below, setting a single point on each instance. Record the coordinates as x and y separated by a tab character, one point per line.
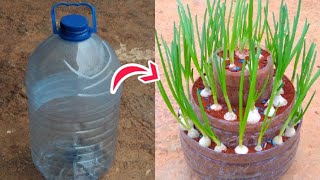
149	75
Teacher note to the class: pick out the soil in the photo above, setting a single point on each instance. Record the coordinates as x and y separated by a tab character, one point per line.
231	150
207	102
263	61
24	24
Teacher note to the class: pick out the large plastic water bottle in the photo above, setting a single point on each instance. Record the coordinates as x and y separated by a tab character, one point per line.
73	116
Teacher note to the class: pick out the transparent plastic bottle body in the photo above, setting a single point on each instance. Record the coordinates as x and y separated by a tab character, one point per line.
73	116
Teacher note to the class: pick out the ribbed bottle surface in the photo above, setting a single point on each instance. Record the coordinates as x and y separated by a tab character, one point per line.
73	116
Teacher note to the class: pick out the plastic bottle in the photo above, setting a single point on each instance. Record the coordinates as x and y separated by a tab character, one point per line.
73	116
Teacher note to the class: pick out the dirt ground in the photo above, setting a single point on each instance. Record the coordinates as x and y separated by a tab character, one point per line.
170	163
129	26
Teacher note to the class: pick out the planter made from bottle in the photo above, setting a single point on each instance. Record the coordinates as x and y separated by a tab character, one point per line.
228	131
267	164
233	80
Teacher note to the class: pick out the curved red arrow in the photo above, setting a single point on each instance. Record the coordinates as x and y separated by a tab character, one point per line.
149	75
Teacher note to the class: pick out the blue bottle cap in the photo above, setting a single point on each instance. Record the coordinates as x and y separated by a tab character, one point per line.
74	27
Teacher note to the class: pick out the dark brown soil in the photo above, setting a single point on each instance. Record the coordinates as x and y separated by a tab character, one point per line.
288	95
24	24
239	62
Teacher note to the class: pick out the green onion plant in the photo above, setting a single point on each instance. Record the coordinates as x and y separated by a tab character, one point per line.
304	83
220	65
189	43
244	33
179	73
283	48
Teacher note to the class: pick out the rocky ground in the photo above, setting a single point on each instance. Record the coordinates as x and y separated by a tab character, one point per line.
129	26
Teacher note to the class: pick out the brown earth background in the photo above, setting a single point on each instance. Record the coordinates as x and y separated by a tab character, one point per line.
129	26
170	163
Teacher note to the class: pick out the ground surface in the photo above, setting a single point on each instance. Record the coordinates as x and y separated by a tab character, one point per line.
23	24
170	163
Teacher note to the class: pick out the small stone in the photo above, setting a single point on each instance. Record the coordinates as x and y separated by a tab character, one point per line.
9	132
237	68
264	145
269	140
260	56
148	172
117	169
23	92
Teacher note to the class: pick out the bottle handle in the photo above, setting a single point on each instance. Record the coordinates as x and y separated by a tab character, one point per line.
93	29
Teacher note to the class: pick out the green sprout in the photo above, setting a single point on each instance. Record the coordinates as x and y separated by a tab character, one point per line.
234	38
253	64
283	48
207	126
306	71
244	33
241	33
242	119
213	28
208	41
171	77
304	83
253	68
179	72
221	64
189	49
